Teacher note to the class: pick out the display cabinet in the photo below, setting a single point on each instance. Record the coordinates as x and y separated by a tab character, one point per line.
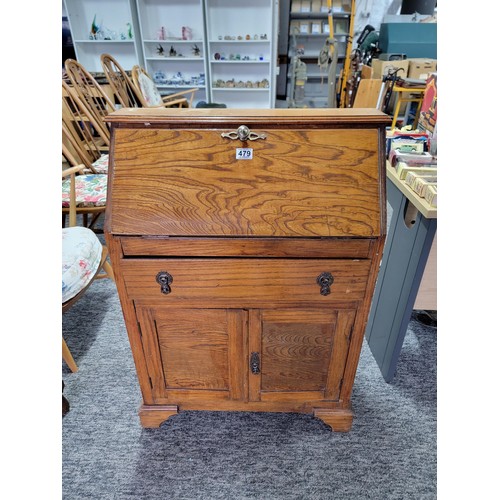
173	42
242	38
104	26
245	246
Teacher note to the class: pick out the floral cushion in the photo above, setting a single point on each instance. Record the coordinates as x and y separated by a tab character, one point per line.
91	190
81	255
101	165
149	91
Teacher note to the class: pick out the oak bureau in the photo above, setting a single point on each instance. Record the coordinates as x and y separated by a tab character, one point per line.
246	245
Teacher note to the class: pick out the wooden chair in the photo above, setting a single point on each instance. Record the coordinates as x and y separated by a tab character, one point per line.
84	259
151	97
89	190
82	135
90	93
122	85
86	135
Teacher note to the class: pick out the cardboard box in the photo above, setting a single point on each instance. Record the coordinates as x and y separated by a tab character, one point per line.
381	68
316	28
315	5
305	27
305	6
421	68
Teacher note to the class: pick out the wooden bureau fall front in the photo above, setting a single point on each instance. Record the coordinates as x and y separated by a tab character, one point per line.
246	245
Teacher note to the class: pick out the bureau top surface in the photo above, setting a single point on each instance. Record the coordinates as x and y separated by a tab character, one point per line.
196	117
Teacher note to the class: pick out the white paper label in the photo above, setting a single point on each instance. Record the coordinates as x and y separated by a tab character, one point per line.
244	153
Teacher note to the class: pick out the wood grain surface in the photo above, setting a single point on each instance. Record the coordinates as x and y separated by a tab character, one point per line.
299	183
266	280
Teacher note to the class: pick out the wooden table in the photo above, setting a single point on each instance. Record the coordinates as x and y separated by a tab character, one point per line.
405	255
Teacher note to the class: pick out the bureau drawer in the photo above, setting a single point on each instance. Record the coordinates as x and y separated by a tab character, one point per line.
242	281
331	248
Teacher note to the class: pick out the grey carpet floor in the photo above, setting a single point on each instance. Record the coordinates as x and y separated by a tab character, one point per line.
390	452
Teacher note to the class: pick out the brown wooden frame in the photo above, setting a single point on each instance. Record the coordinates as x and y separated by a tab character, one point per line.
90	93
124	89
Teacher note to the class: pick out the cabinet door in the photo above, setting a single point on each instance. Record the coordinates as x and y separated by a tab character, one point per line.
194	354
298	355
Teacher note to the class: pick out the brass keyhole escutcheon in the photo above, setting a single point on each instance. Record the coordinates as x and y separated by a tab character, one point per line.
255	363
243	133
325	280
164	279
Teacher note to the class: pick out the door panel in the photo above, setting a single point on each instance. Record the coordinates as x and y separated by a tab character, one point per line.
301	353
198	350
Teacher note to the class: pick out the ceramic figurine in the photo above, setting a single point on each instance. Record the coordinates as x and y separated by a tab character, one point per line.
172	52
196	50
159	77
160	50
247	37
162	33
187	33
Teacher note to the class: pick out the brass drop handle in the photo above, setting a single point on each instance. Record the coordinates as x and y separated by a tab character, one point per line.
324	280
243	134
164	279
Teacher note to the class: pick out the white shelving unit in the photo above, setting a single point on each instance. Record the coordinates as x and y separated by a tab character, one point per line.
173	43
241	40
117	19
226	48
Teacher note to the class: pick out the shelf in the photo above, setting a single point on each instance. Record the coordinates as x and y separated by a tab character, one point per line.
239	62
313	56
239	41
180	87
240	89
318	35
177	59
173	40
103	41
319	15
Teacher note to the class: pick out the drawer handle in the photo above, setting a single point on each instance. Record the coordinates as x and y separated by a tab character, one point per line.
324	280
255	363
164	279
243	134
